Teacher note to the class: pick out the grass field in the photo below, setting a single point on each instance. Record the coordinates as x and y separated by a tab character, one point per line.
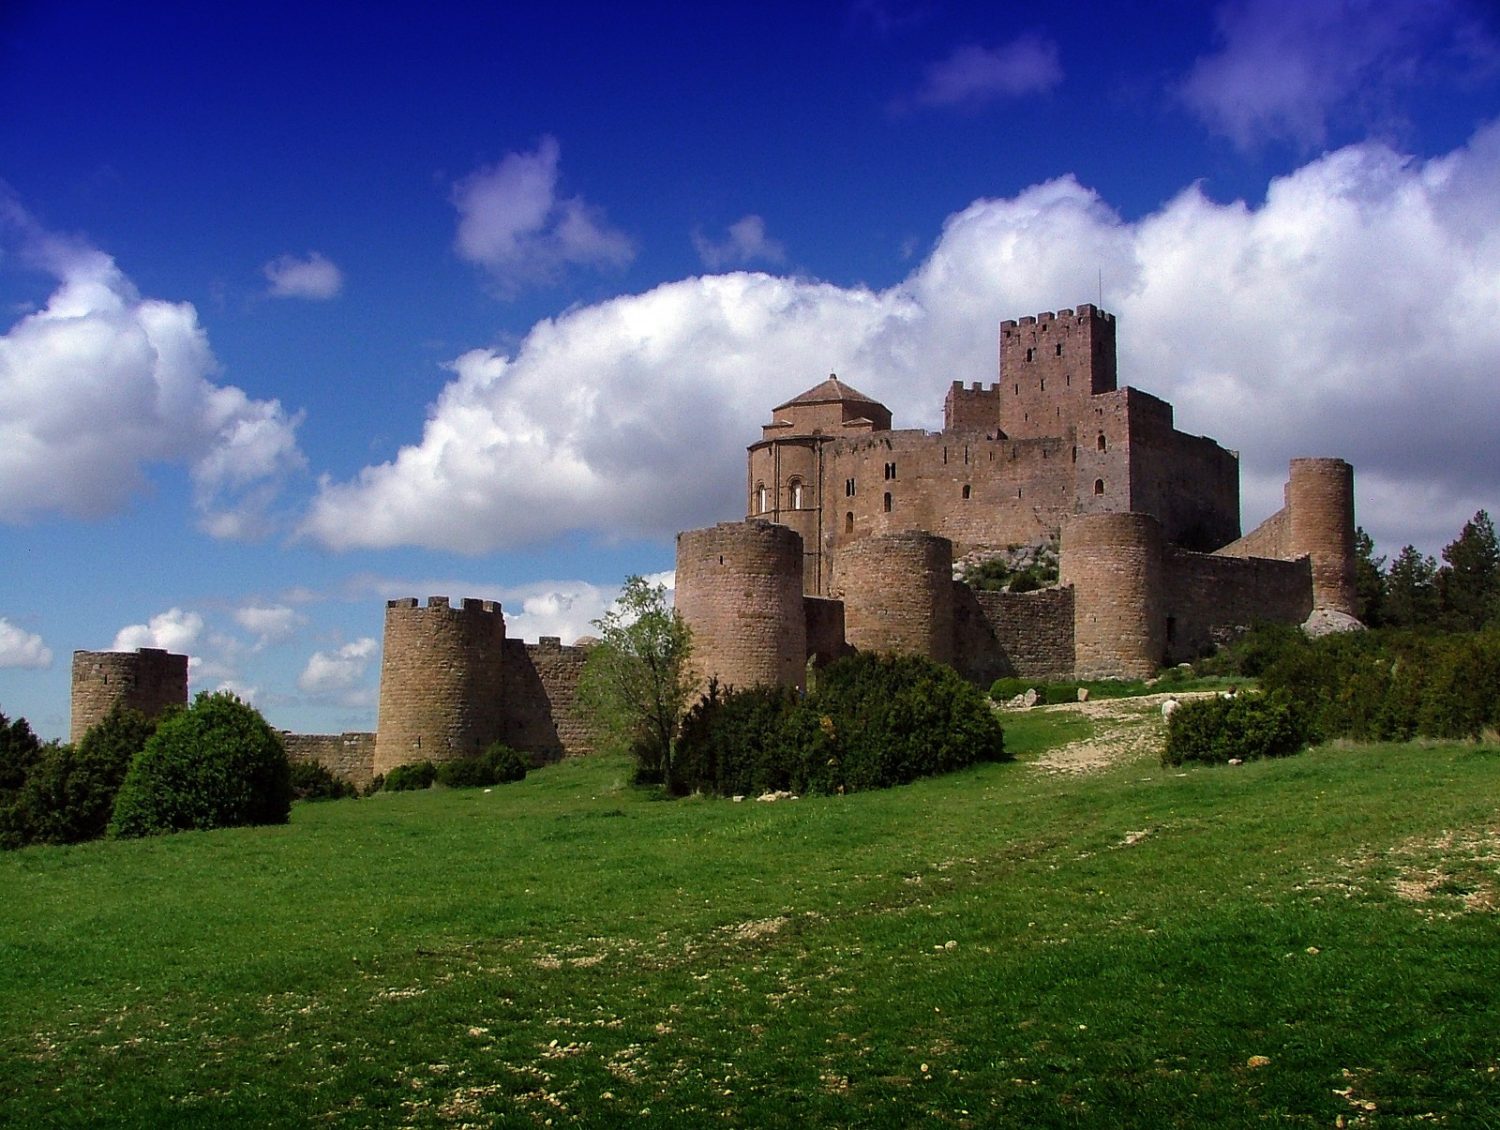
1284	943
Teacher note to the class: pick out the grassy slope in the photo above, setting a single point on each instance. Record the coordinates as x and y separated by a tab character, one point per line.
1121	947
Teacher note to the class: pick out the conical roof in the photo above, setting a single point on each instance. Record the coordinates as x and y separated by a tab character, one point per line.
831	391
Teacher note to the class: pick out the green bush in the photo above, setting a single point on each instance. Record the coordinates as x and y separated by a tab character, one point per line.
873	721
497	765
1247	726
214	765
409	778
311	781
71	791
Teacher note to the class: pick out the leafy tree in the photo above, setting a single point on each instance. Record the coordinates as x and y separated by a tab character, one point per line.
1369	579
635	684
216	764
71	793
1469	582
20	750
1411	595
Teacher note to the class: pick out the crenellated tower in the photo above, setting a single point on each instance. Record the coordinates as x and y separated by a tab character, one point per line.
148	679
1050	364
442	693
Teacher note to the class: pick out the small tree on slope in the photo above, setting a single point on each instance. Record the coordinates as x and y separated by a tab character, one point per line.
636	685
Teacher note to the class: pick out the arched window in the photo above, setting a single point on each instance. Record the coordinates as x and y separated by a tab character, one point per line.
967	490
849	522
887	502
760	498
794	492
1102	444
1098	486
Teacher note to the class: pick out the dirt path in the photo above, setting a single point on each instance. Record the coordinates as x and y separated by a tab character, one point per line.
1124	729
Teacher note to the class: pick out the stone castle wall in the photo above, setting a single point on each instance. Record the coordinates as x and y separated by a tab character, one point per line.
442	694
348	755
148	680
1210	600
1114	564
739	586
541	690
1033	630
897	591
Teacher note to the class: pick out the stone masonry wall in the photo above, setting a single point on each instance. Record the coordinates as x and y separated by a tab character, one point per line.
897	591
1208	600
1114	563
441	681
541	692
148	679
1033	631
739	588
348	755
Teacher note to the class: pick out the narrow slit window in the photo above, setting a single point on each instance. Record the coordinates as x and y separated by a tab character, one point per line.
887	502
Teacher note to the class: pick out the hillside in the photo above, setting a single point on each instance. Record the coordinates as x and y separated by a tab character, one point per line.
1076	938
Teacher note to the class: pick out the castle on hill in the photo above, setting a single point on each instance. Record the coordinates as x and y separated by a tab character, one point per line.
849	540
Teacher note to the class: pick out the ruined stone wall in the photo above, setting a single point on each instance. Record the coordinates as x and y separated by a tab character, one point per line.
1114	563
1050	364
739	588
348	755
1033	632
441	681
542	716
897	591
1209	600
148	680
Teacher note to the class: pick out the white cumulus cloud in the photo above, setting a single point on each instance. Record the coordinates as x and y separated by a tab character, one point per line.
337	671
313	276
513	222
745	242
1288	69
175	630
20	648
270	624
973	75
101	384
1353	312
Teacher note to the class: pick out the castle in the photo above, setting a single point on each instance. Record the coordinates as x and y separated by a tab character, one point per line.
849	543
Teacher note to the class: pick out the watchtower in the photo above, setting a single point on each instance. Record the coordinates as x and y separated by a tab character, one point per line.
1050	365
441	681
148	679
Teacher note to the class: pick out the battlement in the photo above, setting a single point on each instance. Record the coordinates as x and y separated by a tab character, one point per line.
1085	311
148	679
468	604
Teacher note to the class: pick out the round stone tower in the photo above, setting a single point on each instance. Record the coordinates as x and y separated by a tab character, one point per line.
739	588
1114	563
441	690
897	590
147	679
1320	506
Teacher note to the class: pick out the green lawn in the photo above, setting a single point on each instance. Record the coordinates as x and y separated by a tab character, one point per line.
1284	943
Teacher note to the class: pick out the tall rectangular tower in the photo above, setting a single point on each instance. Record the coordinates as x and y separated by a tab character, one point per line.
1050	365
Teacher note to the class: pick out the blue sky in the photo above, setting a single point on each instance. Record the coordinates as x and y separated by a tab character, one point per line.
309	306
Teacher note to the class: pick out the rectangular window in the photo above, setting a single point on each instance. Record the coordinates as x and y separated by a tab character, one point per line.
890	471
848	488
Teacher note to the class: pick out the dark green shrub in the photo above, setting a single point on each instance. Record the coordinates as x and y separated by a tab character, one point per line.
897	718
214	765
497	765
70	793
505	764
20	750
409	778
311	781
1247	726
743	742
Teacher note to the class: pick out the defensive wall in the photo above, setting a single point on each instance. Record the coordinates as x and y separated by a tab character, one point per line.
148	680
349	755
